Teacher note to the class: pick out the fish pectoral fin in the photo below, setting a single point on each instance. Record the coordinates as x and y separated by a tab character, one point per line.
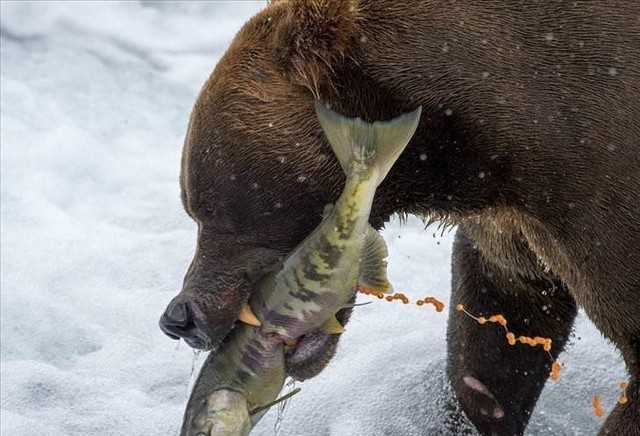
373	266
332	326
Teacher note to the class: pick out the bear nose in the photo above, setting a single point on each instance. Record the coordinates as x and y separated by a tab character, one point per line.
174	320
178	322
176	314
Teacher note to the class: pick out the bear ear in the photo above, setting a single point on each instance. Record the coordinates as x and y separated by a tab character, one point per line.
313	36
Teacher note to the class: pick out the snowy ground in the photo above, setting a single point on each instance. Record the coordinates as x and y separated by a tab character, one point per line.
94	104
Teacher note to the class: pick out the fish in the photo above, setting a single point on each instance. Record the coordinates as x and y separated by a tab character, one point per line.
242	378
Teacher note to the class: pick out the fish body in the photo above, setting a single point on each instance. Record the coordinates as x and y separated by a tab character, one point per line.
318	278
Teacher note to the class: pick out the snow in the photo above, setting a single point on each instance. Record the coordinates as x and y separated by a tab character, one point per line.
94	105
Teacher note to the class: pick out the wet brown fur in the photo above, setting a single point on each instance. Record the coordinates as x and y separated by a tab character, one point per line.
529	141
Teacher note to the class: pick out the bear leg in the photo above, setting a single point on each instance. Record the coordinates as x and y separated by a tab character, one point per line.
624	420
497	384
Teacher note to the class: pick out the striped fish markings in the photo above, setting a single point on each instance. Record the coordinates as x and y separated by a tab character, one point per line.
316	280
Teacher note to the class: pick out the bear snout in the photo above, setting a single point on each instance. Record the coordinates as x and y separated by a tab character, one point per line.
182	320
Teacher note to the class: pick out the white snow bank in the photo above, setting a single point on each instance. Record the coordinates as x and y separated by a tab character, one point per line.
94	104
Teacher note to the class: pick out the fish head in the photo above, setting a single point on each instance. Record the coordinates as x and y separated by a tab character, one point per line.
223	413
230	396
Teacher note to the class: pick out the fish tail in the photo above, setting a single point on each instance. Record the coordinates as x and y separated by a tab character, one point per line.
376	145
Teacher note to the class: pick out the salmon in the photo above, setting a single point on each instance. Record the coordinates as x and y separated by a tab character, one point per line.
243	377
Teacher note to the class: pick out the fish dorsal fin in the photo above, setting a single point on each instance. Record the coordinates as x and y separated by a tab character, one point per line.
332	326
373	264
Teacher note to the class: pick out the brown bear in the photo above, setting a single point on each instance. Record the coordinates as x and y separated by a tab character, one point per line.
529	142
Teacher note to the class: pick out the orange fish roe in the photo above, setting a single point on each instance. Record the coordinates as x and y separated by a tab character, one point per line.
555	371
511	337
439	306
397	296
597	406
534	342
623	399
623	396
498	319
403	298
369	291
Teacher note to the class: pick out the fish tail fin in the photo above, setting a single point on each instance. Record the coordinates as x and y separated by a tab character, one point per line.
376	145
